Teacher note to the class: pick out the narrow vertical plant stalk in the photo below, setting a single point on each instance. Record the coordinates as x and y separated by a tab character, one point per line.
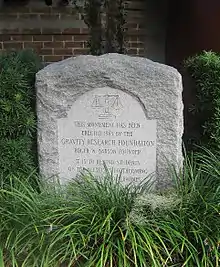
1	258
105	20
92	17
120	26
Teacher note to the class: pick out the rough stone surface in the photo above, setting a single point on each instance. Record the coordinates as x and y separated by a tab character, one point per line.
157	87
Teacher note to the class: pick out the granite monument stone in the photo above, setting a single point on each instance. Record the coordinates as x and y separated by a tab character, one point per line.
123	111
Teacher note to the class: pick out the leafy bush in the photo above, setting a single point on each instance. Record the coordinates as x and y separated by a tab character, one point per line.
101	223
205	71
187	218
17	112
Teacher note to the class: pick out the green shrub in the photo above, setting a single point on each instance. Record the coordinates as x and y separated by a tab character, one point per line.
17	112
205	71
100	223
187	218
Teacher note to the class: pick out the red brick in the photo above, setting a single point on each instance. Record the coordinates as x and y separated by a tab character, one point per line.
141	52
135	15
46	37
52	58
37	46
5	37
132	38
74	44
53	44
131	25
12	45
64	51
64	57
20	37
139	32
79	51
81	37
141	45
62	37
46	51
132	51
136	44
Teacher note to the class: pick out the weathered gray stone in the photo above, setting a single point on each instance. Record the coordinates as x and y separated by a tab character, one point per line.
156	88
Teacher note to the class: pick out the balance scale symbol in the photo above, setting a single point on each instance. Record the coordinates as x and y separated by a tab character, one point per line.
108	105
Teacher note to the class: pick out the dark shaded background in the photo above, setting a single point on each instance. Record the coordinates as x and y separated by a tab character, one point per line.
192	26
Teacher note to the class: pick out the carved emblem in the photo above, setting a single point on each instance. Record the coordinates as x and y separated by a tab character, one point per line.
107	105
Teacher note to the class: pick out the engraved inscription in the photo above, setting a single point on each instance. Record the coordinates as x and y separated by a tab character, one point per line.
112	130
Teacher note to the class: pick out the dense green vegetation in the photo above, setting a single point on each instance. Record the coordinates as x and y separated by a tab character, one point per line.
17	115
205	72
101	223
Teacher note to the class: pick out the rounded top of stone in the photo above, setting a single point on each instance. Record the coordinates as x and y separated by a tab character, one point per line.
105	64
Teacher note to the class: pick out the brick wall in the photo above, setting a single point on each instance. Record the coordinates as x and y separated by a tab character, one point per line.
58	33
